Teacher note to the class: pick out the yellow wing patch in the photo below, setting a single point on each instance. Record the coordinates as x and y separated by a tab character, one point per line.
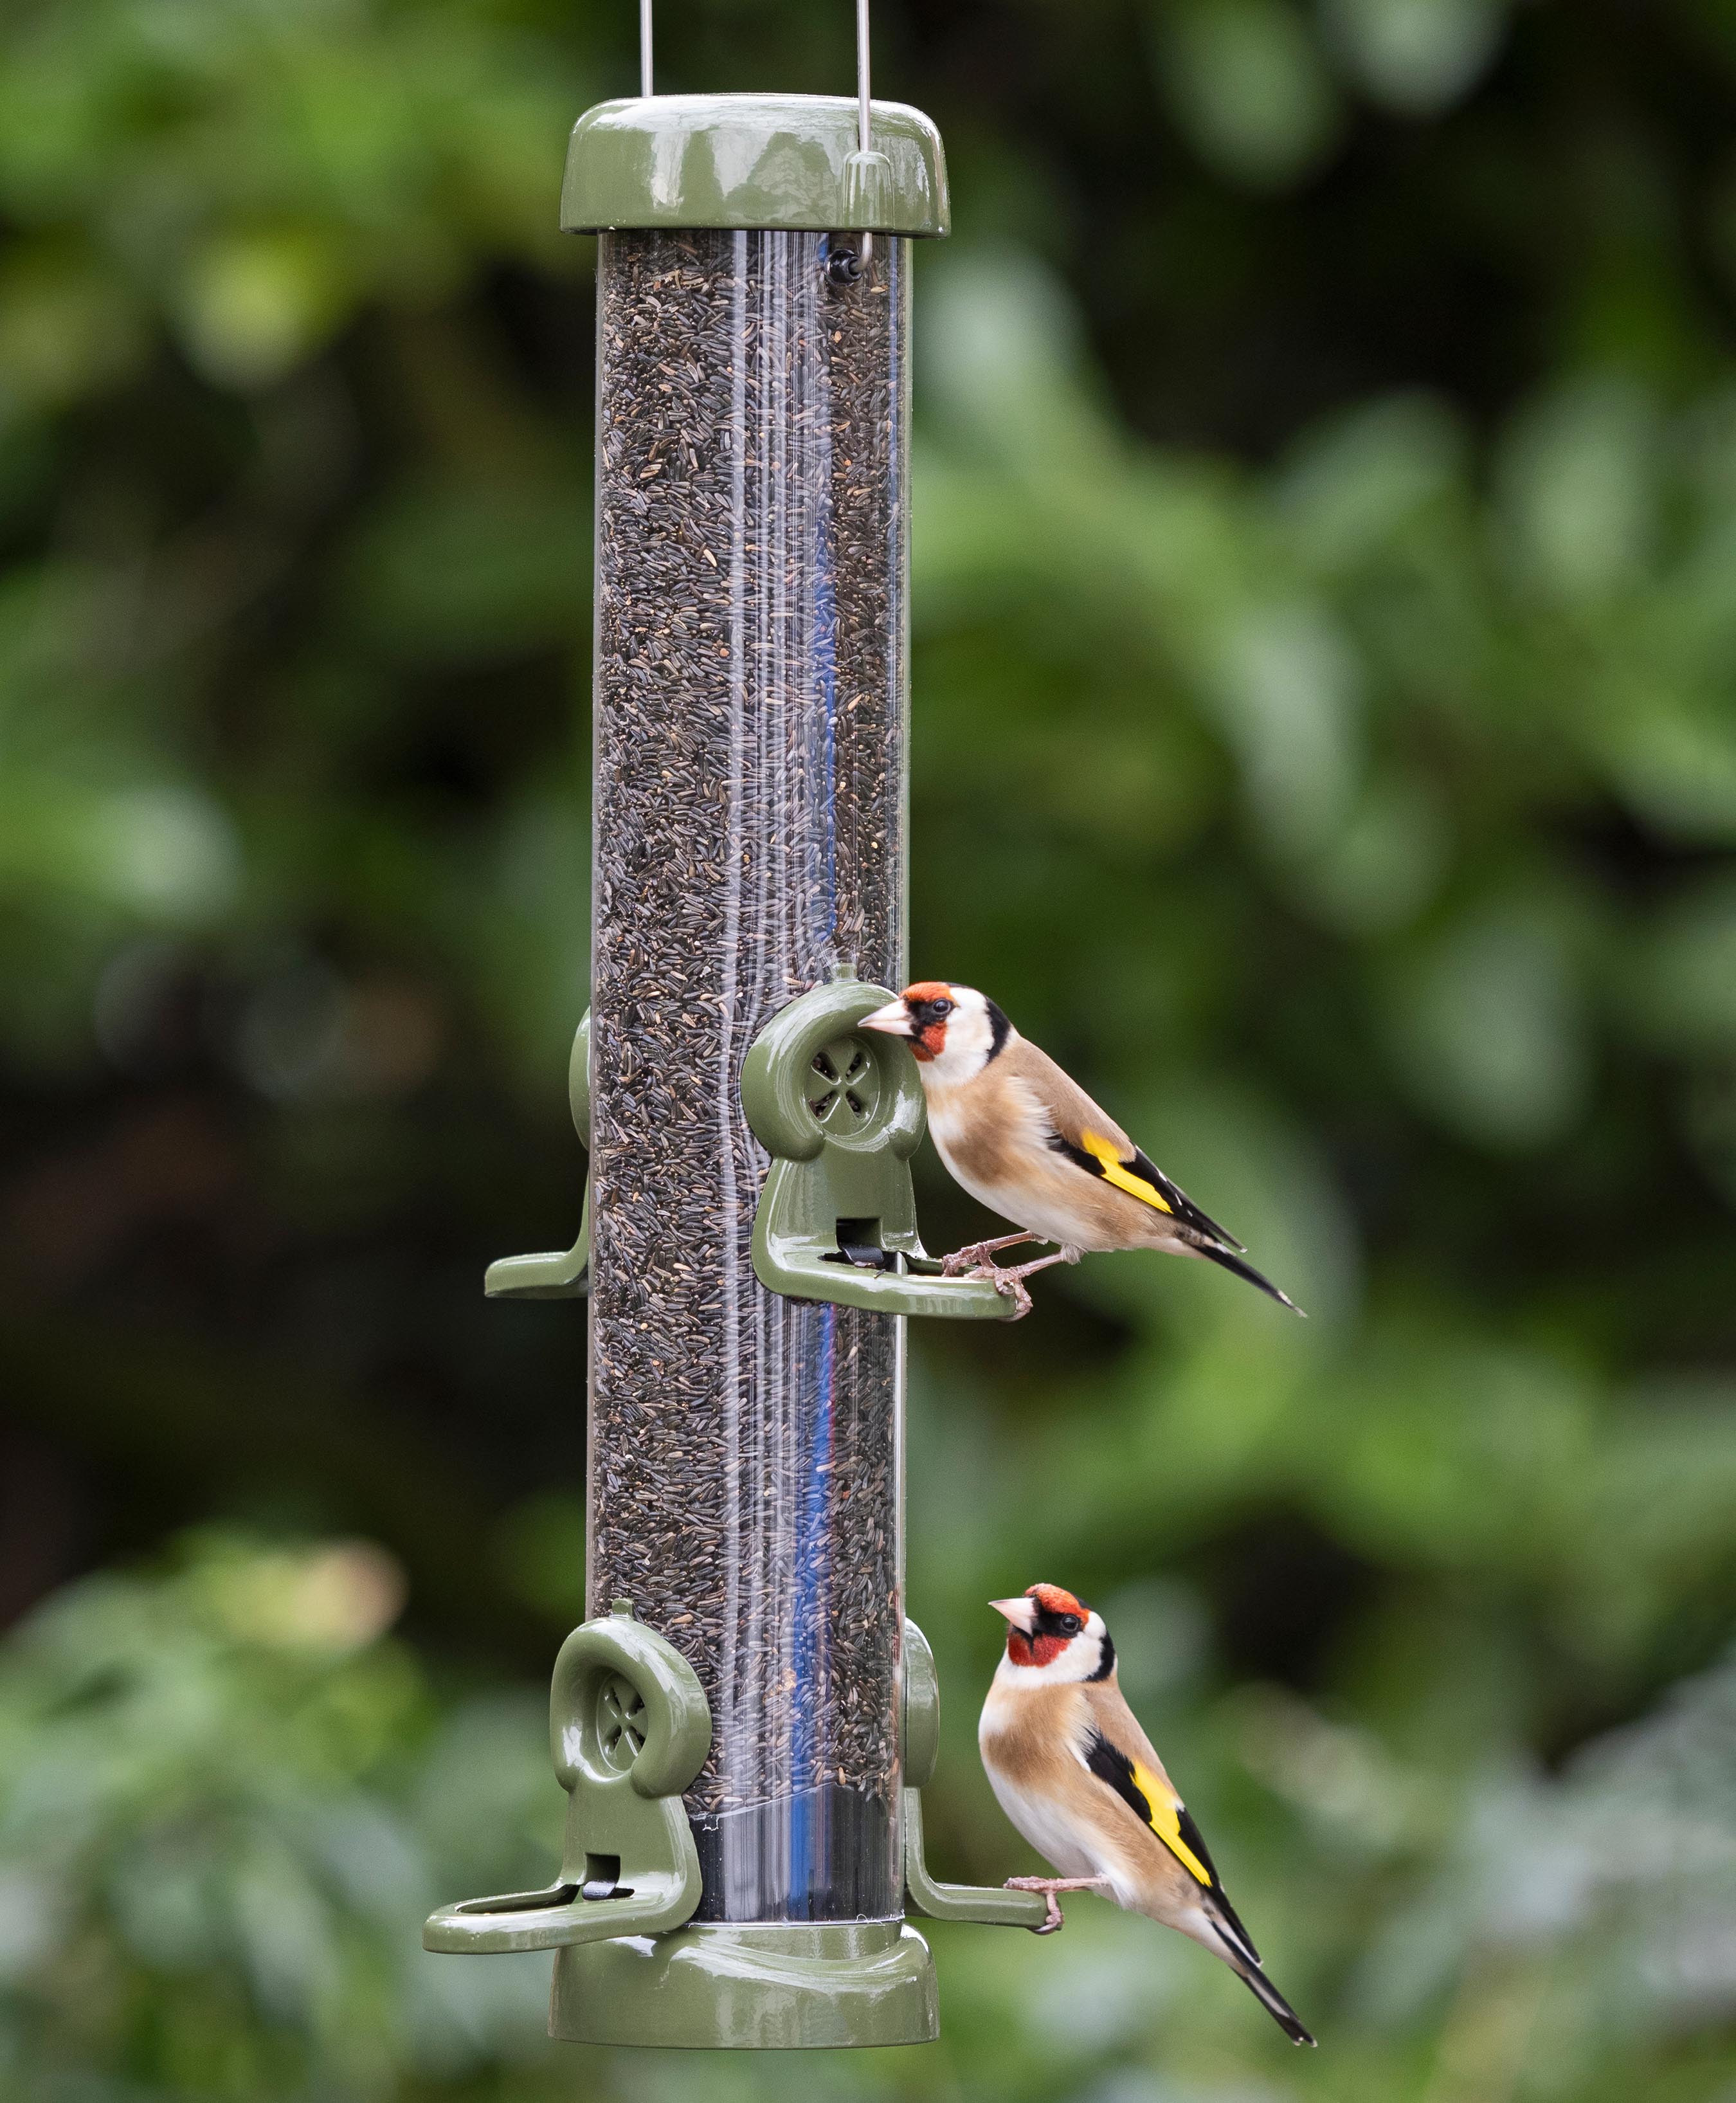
1104	1151
1165	1823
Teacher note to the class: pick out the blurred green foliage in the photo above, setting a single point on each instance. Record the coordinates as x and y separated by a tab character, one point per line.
224	1805
1325	743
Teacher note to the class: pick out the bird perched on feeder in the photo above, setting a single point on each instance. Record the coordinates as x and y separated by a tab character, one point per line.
1075	1773
1028	1142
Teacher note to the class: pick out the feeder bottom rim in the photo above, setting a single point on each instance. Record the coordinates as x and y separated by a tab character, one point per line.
761	1986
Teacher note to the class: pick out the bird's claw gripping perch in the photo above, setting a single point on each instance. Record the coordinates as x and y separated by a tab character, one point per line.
1011	1280
1055	1919
1010	1285
978	1257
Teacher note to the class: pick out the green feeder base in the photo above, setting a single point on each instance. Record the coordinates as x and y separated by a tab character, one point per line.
753	1988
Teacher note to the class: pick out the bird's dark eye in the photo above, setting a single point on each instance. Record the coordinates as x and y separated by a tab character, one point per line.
940	1007
1070	1624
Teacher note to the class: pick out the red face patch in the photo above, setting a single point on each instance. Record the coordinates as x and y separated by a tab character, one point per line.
929	1041
1034	1650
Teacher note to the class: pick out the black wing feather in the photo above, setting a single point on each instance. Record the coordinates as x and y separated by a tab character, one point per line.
1180	1202
1215	1243
1109	1764
1140	1163
1191	1833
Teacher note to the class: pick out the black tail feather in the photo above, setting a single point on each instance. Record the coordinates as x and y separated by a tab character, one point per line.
1275	2006
1231	1262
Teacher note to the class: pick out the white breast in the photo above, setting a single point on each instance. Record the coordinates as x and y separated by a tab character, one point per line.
1022	1196
1061	1841
1058	1835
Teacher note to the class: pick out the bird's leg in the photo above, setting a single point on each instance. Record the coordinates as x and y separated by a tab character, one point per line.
980	1255
1049	1886
1011	1280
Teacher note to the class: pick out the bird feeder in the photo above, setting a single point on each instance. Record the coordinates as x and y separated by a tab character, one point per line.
744	1720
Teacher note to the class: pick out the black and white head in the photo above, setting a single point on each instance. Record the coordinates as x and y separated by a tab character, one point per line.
1053	1640
954	1030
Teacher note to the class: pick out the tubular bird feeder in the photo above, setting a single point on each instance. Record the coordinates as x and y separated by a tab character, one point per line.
742	1723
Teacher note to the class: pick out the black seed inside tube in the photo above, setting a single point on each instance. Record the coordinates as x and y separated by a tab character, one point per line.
745	1462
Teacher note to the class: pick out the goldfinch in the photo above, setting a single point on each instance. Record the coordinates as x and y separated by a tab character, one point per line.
1028	1142
1075	1774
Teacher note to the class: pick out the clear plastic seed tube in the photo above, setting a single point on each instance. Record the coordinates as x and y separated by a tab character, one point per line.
745	1468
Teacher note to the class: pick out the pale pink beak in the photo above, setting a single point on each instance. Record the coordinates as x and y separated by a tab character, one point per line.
1022	1613
891	1020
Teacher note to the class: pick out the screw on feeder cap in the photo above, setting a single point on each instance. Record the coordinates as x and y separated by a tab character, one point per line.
621	1607
772	163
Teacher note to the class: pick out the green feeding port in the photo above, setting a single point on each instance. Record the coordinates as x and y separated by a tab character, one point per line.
630	1728
841	1111
743	1750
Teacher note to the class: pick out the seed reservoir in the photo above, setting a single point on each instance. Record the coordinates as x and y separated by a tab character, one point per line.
750	699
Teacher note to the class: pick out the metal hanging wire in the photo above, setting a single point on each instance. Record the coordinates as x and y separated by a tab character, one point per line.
864	114
863	126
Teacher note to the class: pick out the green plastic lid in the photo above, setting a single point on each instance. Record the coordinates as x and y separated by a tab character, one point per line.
787	162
